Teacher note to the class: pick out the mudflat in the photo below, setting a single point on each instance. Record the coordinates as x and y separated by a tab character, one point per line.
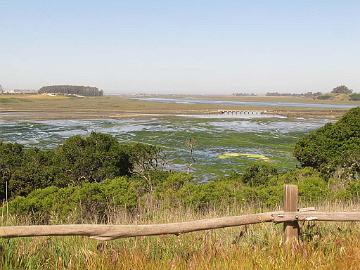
23	107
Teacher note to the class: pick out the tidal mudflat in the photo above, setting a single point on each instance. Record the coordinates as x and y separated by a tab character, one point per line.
42	107
240	140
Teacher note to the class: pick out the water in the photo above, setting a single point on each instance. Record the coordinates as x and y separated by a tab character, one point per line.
231	116
248	103
271	137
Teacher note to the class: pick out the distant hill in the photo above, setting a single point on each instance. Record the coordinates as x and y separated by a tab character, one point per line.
71	90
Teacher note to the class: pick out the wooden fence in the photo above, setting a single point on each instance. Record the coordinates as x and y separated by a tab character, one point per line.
290	217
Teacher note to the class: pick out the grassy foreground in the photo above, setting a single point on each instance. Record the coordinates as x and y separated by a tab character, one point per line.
323	246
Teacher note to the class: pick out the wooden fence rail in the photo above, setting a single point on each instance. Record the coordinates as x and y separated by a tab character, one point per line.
290	217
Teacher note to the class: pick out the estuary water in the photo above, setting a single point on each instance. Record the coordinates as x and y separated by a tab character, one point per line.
247	103
241	140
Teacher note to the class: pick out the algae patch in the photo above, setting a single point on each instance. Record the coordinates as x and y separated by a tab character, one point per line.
232	155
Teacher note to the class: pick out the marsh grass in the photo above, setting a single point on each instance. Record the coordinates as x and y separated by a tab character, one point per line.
323	245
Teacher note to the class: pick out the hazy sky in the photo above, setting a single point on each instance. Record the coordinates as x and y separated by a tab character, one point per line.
182	46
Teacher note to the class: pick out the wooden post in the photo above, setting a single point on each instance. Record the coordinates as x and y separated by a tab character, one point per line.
291	228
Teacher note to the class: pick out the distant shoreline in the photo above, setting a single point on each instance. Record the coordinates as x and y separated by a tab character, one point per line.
38	107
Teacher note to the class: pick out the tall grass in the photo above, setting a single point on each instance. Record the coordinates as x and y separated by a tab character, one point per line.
322	246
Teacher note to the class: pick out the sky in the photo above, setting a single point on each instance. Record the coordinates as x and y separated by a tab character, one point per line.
187	46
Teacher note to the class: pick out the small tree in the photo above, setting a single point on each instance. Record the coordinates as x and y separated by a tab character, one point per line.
342	89
146	158
190	144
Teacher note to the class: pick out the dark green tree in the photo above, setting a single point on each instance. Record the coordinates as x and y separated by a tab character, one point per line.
93	159
80	159
332	147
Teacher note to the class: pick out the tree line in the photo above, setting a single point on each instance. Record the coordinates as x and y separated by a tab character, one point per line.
71	90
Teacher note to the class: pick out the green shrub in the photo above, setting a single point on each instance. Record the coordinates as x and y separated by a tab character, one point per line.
174	189
258	174
78	160
205	195
330	147
354	190
270	196
168	190
312	189
88	200
93	158
296	175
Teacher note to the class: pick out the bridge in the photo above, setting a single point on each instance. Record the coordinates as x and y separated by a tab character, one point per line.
247	112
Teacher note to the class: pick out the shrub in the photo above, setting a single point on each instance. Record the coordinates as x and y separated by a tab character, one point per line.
258	174
313	188
88	200
296	175
354	190
78	160
93	158
322	148
168	190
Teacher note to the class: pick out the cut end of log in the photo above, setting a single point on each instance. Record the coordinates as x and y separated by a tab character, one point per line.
311	218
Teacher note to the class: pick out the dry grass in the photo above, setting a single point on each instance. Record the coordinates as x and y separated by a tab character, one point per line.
323	246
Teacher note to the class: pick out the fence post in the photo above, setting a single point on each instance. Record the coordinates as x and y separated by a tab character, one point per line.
291	228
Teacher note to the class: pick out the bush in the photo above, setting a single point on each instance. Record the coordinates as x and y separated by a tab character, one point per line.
296	175
258	174
175	189
330	147
313	189
168	190
93	158
354	190
78	160
88	200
